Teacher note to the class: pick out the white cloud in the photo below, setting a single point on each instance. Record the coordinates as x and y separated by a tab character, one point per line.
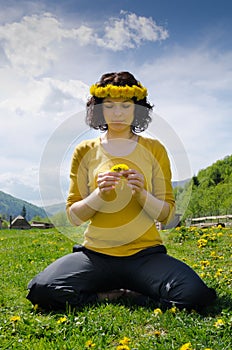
46	95
130	32
34	43
191	89
27	44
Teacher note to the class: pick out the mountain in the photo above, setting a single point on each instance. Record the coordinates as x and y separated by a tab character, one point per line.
55	208
11	206
180	183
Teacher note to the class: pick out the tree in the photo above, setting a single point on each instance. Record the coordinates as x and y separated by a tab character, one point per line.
24	212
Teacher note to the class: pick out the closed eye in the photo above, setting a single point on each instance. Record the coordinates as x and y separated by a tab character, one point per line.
108	105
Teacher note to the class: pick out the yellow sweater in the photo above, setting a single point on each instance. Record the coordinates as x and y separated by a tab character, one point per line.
122	227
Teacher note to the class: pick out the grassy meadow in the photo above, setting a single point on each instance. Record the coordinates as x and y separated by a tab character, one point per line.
119	325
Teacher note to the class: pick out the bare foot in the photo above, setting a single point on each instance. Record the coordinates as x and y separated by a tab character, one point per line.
117	293
111	295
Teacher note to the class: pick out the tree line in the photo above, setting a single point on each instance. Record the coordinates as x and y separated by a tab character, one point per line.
207	193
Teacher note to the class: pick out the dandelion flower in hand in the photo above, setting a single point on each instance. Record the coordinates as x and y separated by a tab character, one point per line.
119	168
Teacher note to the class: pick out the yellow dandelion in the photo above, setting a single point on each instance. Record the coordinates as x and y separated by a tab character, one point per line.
157	333
186	346
158	312
62	320
205	263
90	344
36	306
15	318
124	341
218	273
173	310
122	347
202	242
219	323
119	167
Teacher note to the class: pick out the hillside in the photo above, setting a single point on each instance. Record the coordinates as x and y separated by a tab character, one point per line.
55	208
211	190
11	206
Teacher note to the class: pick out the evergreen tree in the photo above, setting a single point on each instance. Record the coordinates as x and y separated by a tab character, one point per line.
24	212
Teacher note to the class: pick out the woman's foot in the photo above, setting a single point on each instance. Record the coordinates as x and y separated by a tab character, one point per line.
117	293
111	294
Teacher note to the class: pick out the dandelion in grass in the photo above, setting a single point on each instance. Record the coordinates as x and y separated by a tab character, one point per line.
218	273
202	274
202	242
90	344
173	310
186	346
62	320
35	307
204	264
157	333
219	323
122	347
124	341
15	318
158	312
215	256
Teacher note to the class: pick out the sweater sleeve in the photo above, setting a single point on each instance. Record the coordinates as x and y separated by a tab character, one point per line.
78	188
162	179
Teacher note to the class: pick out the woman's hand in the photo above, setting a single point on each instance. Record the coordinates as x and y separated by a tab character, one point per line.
135	180
108	180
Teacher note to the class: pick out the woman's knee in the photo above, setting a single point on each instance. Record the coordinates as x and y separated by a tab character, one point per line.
57	297
188	293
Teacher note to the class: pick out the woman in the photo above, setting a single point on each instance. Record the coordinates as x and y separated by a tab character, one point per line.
120	183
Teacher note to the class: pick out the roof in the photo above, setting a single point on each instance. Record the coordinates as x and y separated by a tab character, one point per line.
20	222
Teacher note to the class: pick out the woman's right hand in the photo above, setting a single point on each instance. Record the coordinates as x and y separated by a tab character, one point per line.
108	180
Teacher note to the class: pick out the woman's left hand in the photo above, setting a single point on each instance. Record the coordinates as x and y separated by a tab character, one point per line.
135	180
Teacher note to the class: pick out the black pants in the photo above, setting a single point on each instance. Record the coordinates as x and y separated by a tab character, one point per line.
75	279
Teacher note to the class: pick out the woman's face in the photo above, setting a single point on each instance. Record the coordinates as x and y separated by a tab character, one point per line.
118	113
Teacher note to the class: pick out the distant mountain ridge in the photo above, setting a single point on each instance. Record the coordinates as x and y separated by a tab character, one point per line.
12	206
180	183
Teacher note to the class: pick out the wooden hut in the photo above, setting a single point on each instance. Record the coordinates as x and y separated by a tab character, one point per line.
41	225
20	223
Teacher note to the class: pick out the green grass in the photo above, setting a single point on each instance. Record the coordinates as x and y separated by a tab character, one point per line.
108	325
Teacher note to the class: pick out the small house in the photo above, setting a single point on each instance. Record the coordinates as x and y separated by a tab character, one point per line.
41	225
20	223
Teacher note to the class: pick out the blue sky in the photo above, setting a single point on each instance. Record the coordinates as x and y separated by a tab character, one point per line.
52	51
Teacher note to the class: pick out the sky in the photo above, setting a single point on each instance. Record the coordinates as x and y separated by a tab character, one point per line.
52	51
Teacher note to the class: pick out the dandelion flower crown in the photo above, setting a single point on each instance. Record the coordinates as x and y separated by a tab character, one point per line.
114	91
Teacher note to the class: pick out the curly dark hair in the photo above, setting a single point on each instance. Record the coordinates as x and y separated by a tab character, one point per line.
143	109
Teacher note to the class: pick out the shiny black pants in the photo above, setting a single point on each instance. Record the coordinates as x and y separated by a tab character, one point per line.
75	279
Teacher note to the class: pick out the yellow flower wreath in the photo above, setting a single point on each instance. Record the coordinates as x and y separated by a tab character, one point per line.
113	91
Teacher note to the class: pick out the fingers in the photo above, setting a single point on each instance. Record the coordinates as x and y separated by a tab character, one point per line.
135	180
108	180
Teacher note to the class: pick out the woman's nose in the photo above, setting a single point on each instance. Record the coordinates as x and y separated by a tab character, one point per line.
117	110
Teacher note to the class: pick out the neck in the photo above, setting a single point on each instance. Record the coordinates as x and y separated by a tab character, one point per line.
125	135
